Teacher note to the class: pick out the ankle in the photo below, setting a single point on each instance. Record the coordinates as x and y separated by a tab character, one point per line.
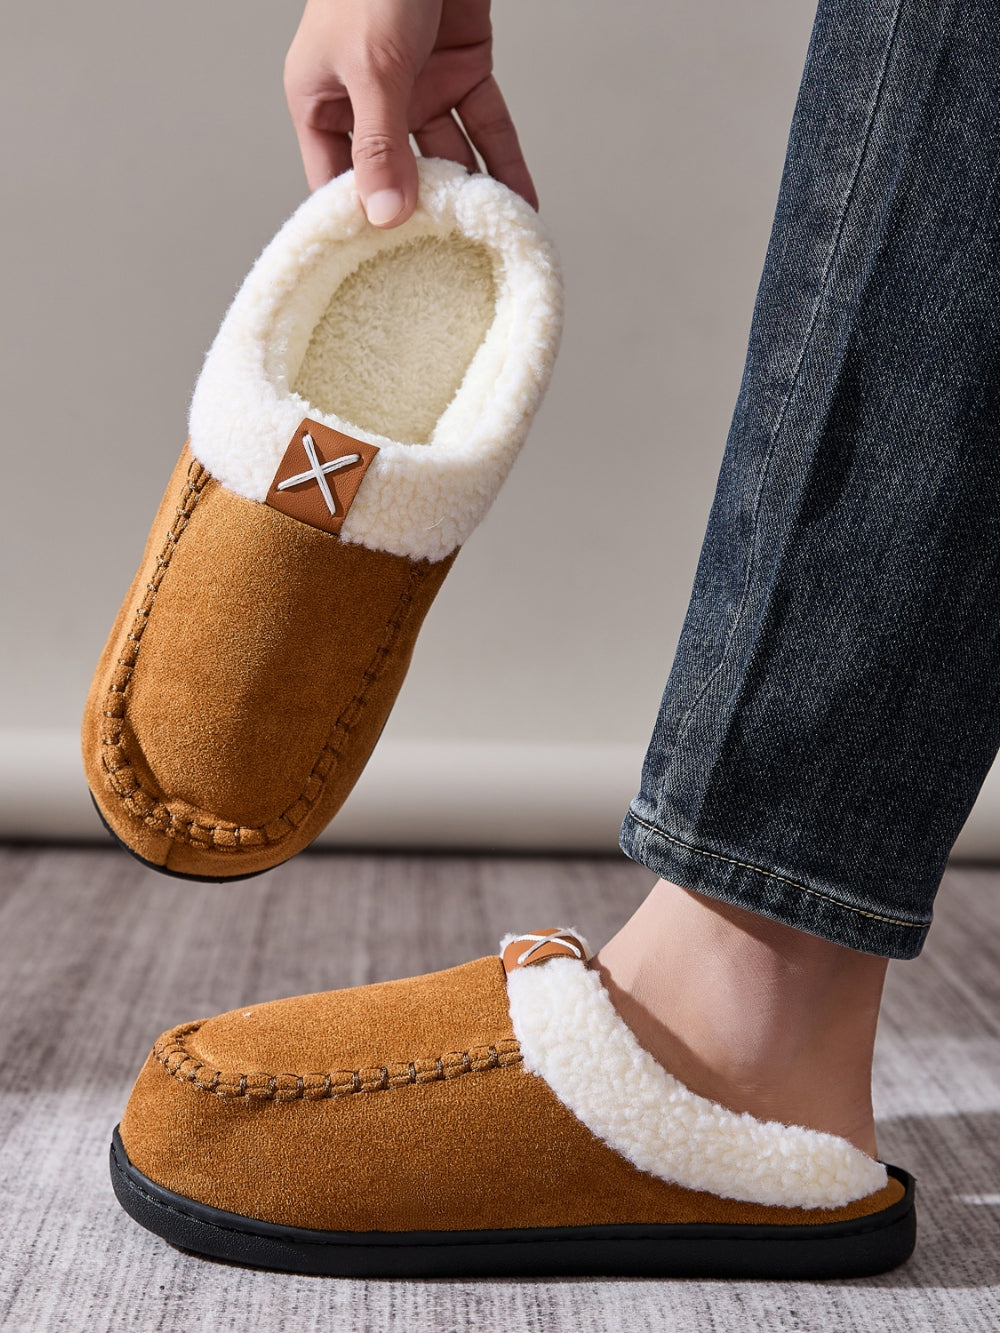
748	1012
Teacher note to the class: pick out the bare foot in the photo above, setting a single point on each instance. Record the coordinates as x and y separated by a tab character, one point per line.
750	1013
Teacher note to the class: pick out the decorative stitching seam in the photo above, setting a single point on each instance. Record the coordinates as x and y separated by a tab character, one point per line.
178	1061
782	879
222	835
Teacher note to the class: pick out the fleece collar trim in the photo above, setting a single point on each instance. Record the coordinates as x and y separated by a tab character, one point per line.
418	500
571	1035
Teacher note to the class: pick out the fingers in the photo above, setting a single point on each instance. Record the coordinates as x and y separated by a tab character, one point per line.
385	170
442	137
349	75
489	126
359	73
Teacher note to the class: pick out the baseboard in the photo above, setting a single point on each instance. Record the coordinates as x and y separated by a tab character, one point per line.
463	795
423	794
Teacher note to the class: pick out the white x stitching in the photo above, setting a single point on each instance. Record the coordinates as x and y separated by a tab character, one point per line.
557	937
317	471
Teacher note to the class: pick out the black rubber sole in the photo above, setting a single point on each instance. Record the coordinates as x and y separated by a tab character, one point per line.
173	874
826	1250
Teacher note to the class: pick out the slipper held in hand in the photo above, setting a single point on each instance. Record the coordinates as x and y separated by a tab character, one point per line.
363	401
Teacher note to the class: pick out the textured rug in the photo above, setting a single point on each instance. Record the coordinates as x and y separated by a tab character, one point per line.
98	956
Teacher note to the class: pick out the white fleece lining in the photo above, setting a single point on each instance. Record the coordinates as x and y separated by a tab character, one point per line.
478	296
399	334
572	1036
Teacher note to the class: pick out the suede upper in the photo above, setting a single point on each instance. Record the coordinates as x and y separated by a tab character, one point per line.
401	1106
391	1023
249	673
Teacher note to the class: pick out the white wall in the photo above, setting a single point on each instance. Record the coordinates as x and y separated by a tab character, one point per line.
147	159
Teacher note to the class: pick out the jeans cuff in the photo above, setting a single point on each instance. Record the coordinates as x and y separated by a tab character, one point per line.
769	893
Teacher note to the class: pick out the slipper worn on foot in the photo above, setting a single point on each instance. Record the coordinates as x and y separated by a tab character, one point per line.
497	1118
363	401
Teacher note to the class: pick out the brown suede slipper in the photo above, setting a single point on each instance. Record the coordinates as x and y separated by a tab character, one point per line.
363	401
496	1118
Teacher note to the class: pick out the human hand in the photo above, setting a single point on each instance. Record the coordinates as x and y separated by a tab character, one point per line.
361	76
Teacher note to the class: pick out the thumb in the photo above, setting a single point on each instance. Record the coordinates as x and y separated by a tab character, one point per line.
385	170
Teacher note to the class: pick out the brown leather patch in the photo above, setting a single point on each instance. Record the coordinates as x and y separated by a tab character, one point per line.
539	946
319	476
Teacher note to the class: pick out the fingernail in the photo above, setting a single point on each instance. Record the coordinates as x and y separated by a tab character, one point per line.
384	205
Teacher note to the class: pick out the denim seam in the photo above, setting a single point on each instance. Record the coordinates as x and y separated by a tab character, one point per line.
685	722
783	879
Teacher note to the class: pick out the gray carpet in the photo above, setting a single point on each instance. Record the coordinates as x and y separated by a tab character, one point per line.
98	956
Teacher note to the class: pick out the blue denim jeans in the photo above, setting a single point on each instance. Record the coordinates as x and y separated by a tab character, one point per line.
834	704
